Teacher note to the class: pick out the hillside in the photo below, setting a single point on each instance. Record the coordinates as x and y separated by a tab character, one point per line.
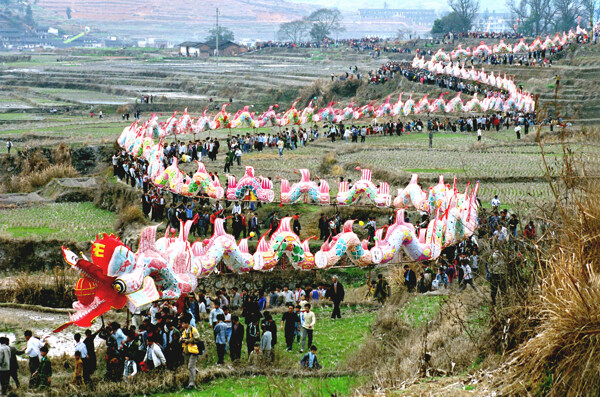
178	19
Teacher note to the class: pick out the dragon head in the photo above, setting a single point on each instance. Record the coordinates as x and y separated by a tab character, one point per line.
112	256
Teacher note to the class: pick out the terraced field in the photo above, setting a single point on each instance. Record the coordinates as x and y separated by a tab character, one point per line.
47	100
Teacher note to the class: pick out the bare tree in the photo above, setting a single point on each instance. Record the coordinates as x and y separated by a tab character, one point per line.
465	8
536	16
293	31
590	10
567	12
324	22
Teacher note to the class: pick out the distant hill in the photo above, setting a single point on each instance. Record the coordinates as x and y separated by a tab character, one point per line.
178	11
177	19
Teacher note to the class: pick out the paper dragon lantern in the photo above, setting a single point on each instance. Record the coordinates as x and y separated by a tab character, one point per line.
378	195
261	188
305	190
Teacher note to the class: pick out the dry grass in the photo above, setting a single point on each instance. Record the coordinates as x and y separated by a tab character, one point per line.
398	353
327	163
129	216
51	288
35	178
562	356
61	154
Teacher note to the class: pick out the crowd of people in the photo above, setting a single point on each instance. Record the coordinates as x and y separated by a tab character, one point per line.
166	336
461	263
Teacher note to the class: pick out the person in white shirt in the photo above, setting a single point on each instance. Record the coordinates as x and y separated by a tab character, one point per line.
322	291
80	346
33	351
238	156
495	202
202	307
237	208
347	134
288	296
308	327
298	293
156	355
212	317
228	323
467	275
154	311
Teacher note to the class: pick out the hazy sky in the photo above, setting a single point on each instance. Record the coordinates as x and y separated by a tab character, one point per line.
353	5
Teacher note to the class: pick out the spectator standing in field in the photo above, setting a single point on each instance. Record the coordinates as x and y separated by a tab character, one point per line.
529	231
410	278
255	357
129	369
221	338
214	313
252	334
512	225
84	356
91	354
289	322
336	294
381	289
236	339
288	296
14	364
236	299
296	225
308	327
33	352
9	145
43	375
190	341
78	372
467	274
265	344
5	356
155	353
495	203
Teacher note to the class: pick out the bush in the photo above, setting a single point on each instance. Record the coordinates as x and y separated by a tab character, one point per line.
560	357
52	289
128	216
61	154
327	162
33	180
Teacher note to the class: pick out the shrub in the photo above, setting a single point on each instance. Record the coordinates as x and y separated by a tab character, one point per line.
561	356
128	216
52	289
327	162
29	182
61	154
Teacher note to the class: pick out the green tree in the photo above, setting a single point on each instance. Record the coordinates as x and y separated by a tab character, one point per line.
225	34
466	10
29	16
451	23
325	21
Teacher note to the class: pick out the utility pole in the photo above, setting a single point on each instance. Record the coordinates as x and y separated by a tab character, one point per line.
217	38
